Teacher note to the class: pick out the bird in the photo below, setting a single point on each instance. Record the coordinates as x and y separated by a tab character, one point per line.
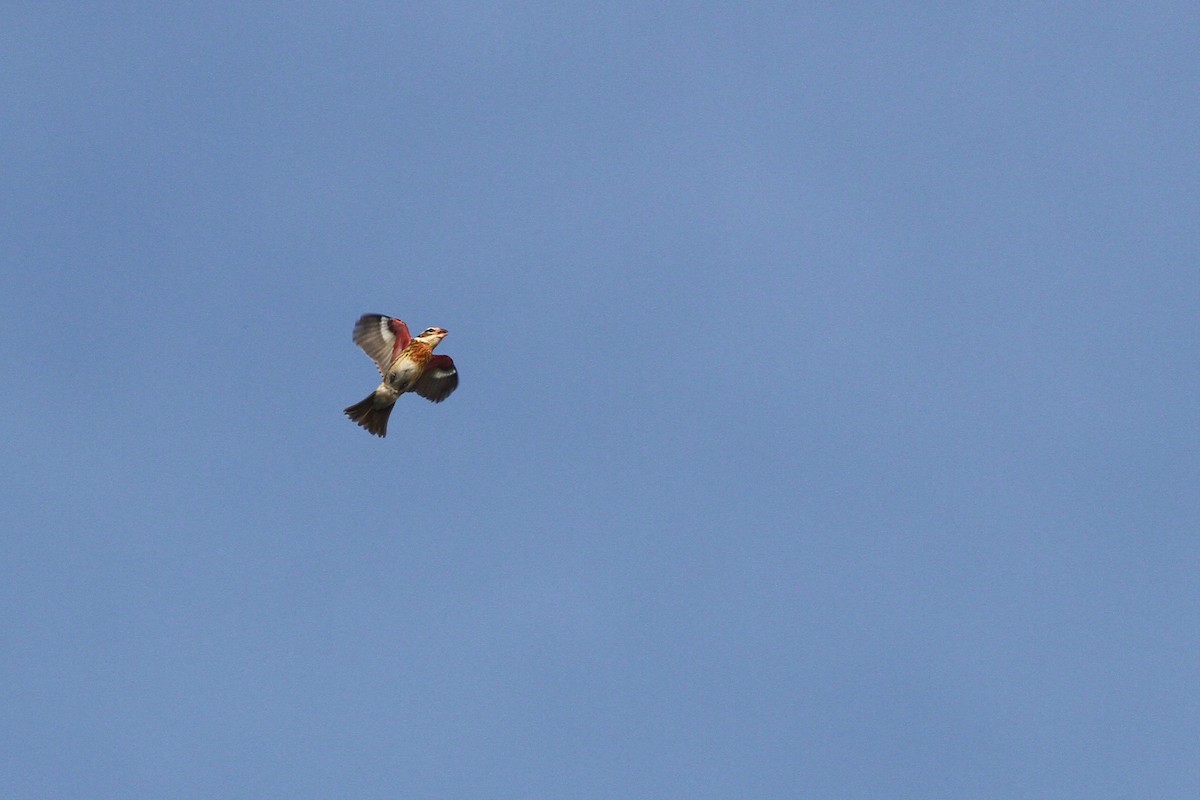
406	363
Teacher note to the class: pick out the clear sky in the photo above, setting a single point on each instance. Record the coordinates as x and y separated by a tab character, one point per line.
828	423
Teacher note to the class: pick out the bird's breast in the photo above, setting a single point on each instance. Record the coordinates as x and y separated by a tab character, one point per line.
409	365
417	354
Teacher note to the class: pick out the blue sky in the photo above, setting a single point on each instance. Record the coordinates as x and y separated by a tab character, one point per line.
827	425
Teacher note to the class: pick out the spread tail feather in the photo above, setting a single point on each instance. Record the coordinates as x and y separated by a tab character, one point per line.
368	416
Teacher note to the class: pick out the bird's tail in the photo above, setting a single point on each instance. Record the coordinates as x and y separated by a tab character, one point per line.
368	415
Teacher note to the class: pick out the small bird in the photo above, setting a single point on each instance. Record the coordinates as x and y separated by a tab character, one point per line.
407	364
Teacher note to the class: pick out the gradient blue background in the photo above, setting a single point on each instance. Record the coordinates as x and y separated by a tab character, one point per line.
828	425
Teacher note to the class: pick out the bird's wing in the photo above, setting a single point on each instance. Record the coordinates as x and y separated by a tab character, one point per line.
382	338
439	379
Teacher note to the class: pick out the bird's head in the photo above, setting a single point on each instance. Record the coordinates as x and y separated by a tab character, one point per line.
431	336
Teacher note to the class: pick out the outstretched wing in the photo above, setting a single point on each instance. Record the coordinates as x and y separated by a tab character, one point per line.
382	338
439	379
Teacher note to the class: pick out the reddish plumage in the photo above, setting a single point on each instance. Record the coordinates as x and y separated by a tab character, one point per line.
400	331
407	364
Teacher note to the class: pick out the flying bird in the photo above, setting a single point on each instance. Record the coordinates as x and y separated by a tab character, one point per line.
407	364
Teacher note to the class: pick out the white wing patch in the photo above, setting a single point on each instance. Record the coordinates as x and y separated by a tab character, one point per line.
439	381
374	333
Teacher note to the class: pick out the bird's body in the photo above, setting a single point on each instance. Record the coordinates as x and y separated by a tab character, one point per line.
407	364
